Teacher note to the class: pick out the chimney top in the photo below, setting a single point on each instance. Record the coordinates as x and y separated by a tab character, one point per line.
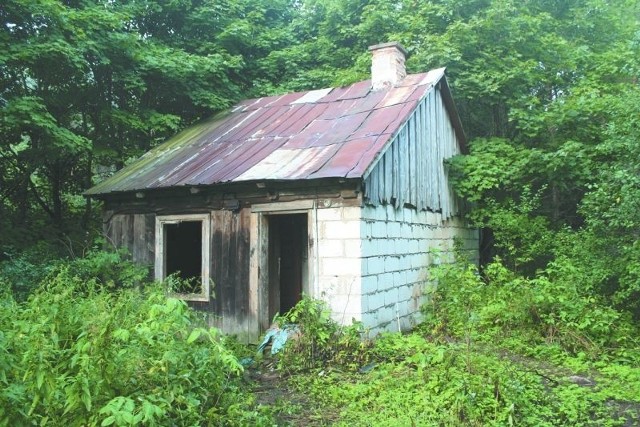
387	64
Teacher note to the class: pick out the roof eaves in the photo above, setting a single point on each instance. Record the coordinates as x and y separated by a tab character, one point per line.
447	97
140	165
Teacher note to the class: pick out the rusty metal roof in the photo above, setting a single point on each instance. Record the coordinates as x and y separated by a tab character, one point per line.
326	133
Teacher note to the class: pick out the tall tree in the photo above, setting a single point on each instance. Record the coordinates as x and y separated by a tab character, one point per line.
86	83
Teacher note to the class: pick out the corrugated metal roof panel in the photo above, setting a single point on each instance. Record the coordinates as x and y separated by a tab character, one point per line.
255	153
341	163
357	90
312	96
326	133
296	125
366	158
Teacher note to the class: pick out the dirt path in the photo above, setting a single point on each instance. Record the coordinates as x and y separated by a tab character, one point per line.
292	407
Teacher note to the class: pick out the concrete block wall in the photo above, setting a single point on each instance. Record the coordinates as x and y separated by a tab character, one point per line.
396	252
373	262
339	254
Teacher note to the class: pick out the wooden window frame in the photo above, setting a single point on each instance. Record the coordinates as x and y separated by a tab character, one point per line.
160	258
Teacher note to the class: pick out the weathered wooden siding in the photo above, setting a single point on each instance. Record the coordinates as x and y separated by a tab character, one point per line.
235	305
411	171
229	260
229	271
135	232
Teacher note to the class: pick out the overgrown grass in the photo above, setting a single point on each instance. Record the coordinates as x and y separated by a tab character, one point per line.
419	382
94	345
495	349
90	348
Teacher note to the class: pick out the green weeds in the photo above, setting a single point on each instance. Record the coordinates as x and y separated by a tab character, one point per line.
495	349
91	346
83	351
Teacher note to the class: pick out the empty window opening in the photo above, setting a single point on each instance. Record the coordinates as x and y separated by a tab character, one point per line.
288	261
182	252
183	248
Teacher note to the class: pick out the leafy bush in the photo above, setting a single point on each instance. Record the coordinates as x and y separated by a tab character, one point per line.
555	307
78	354
23	271
420	382
110	269
320	340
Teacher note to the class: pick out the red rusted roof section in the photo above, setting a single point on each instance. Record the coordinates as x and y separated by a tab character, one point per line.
326	133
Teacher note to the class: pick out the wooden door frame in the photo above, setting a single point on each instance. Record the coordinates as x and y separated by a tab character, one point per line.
259	261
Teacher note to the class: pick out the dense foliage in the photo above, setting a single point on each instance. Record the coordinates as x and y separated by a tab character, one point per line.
80	353
87	85
496	349
548	93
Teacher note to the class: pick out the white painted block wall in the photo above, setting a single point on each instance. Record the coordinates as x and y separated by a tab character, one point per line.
373	262
340	262
397	250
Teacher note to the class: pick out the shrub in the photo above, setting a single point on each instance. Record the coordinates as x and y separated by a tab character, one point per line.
501	306
320	339
109	269
78	354
23	271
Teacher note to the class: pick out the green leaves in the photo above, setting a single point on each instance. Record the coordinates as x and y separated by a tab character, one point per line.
83	354
89	85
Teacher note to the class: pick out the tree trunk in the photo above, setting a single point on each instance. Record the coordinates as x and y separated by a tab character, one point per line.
56	195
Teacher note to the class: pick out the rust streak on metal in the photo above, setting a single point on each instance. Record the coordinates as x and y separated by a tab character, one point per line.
326	133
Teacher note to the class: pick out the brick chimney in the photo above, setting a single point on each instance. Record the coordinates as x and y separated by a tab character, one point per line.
387	64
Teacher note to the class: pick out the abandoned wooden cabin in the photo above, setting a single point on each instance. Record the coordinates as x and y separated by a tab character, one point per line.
336	193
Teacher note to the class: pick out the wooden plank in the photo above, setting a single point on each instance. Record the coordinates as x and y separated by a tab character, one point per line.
116	230
384	183
263	273
242	275
230	256
420	149
121	231
372	184
254	267
439	138
127	233
216	262
173	202
433	154
140	253
403	161
413	175
385	188
283	206
396	176
150	237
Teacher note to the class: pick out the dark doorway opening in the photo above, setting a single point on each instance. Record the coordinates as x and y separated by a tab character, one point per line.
183	255
288	256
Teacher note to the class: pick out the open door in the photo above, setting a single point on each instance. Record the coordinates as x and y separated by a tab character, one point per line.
288	261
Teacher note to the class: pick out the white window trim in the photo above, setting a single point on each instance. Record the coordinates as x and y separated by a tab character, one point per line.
160	261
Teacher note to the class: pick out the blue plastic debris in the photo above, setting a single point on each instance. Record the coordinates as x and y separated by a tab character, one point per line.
367	368
246	362
278	338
